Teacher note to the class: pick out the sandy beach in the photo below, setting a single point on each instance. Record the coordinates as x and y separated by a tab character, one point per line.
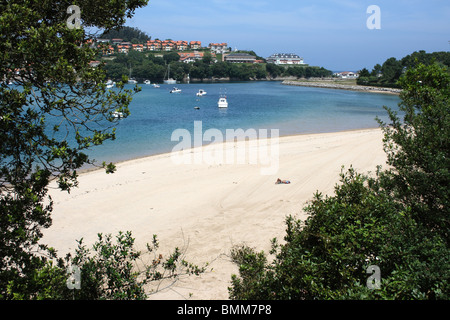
207	208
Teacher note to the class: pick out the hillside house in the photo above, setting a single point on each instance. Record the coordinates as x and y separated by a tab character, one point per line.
182	45
346	75
138	47
285	59
195	45
239	58
123	48
154	45
117	41
219	47
108	50
188	57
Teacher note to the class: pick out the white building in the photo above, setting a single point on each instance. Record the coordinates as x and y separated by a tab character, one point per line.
285	58
239	58
346	75
219	47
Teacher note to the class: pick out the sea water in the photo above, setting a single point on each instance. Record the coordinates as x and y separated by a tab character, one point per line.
156	113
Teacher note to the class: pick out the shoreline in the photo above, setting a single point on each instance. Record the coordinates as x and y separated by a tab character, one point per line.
205	209
338	86
168	153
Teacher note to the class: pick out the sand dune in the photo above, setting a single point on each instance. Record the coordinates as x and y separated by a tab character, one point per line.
208	208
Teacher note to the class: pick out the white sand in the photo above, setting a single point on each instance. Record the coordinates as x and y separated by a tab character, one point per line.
206	209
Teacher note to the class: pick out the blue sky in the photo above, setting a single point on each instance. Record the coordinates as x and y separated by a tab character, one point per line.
328	33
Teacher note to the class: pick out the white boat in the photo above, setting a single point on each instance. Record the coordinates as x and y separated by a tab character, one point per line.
223	103
110	84
169	80
130	79
117	114
201	92
147	82
155	85
175	90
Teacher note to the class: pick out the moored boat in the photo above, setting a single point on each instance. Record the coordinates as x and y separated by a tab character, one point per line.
201	92
223	102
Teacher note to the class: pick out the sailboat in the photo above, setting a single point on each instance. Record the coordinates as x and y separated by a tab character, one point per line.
169	80
131	80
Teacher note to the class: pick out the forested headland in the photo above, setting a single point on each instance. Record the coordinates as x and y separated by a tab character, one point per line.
389	73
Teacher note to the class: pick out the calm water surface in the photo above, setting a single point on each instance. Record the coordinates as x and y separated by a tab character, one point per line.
156	113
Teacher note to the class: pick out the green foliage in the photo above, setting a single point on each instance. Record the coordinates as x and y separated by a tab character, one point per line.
397	220
116	271
127	34
49	65
109	271
418	146
388	74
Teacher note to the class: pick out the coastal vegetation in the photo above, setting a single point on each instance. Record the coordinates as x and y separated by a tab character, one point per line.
127	34
396	220
46	73
154	67
395	223
388	74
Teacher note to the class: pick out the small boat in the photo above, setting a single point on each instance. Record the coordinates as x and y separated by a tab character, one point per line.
147	82
110	84
169	80
196	108
155	85
201	92
132	81
117	114
175	90
223	103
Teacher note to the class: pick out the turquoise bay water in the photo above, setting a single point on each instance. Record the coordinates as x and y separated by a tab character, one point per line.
156	113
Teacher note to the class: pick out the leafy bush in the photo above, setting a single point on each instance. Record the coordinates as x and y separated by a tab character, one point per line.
397	220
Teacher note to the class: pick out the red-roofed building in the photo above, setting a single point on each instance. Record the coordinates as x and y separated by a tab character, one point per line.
188	57
154	45
168	45
195	45
108	50
123	48
138	47
182	45
219	47
117	41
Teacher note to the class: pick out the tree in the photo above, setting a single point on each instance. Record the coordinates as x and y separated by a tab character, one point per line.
207	58
274	70
418	146
171	57
397	221
127	34
391	71
364	73
56	109
376	71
